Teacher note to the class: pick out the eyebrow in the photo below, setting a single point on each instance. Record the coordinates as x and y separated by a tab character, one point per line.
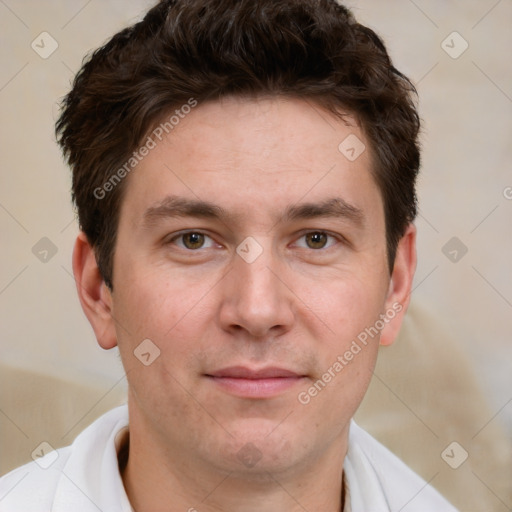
334	207
174	206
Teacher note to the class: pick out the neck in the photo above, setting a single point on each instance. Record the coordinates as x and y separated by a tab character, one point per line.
157	477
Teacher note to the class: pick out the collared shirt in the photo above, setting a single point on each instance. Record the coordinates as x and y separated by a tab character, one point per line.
85	476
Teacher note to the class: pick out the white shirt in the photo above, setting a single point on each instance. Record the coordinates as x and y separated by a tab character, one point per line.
84	477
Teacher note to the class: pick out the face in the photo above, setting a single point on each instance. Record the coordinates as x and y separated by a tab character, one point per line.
251	252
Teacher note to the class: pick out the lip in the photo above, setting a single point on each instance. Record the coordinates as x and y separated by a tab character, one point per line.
255	383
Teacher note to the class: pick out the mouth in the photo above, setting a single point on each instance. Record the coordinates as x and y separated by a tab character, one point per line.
255	383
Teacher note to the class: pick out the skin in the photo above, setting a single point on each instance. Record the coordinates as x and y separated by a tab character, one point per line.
297	306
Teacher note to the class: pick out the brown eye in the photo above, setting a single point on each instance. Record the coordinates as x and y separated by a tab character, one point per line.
193	240
316	240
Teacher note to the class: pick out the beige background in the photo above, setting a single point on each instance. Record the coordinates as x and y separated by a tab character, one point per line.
465	188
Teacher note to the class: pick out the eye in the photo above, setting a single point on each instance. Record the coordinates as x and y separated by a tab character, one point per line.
192	240
317	240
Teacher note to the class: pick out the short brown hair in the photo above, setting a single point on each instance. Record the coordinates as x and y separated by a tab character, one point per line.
207	49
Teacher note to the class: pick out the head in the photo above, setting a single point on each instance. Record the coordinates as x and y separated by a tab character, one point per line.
228	120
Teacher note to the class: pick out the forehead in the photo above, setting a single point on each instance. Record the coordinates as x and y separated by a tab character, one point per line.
256	156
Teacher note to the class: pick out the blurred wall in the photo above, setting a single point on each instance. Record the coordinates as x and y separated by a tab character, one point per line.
465	186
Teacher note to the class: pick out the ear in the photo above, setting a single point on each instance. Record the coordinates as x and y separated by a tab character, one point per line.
94	295
399	291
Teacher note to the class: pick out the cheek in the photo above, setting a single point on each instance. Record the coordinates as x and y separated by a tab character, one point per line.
347	305
156	301
157	324
349	310
347	352
172	312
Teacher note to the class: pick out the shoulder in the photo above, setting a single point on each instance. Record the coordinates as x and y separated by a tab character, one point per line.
378	480
65	476
31	487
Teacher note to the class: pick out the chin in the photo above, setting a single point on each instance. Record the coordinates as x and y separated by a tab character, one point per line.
259	451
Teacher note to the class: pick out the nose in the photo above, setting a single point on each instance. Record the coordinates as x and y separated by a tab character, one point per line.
256	298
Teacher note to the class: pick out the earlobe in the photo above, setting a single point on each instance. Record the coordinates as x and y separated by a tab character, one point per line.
400	285
95	297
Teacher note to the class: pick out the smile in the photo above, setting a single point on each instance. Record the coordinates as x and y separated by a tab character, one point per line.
263	383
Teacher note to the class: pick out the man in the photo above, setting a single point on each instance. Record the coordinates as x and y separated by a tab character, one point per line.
244	175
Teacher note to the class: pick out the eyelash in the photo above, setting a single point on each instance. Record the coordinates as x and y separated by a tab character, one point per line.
331	236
